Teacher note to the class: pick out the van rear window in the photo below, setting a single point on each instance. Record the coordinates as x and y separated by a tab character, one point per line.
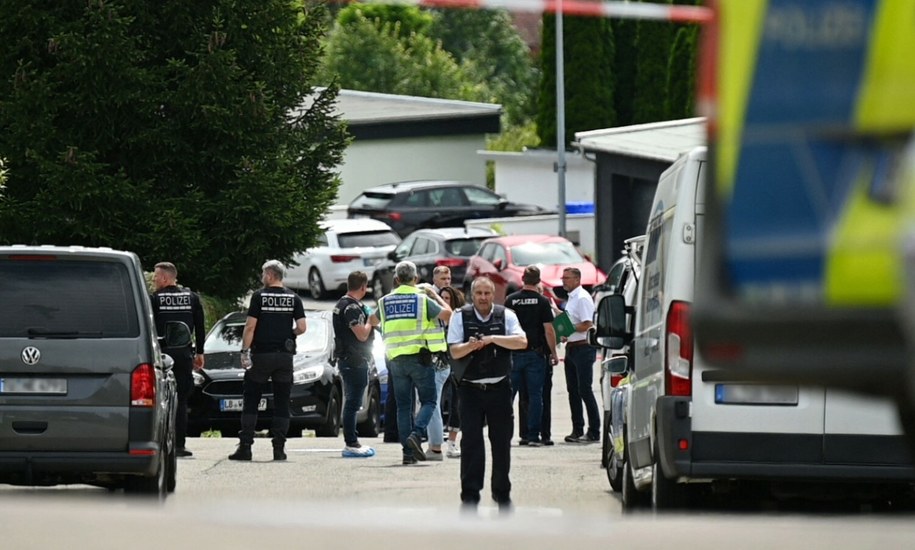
372	201
66	299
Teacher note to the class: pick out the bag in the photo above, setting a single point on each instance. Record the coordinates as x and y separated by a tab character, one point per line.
459	366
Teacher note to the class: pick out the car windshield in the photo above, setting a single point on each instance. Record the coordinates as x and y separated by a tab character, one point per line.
464	247
372	200
545	253
226	337
368	239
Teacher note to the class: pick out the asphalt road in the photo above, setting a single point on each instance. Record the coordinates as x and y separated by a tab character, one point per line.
317	499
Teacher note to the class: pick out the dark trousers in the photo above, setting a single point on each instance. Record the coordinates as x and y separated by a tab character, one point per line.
546	420
492	406
355	375
184	366
391	434
275	367
579	378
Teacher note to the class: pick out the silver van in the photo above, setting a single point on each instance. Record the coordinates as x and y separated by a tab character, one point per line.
86	395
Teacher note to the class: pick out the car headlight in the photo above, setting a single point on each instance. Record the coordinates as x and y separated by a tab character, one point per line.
199	379
307	375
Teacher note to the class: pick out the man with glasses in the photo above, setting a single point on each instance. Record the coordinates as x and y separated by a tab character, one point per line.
579	360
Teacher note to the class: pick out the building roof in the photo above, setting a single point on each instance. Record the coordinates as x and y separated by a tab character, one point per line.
370	107
664	141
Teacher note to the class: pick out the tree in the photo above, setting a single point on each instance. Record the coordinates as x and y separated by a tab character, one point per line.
174	129
588	77
681	74
653	43
377	55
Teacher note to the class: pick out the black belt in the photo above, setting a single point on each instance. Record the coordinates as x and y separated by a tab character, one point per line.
485	385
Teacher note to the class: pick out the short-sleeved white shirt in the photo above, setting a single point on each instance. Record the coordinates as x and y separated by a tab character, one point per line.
580	308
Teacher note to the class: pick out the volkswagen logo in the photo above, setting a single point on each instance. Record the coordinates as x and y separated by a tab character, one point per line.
31	355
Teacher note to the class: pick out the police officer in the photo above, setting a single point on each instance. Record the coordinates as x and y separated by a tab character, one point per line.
173	303
530	365
408	317
275	317
487	332
353	336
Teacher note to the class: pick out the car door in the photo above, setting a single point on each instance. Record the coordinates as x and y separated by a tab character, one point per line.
449	206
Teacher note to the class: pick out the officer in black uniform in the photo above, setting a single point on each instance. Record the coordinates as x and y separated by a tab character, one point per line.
275	317
173	303
530	366
487	332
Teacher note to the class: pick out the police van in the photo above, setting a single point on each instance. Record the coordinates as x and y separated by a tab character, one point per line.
691	427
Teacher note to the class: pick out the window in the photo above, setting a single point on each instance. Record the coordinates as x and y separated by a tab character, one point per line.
372	201
463	247
367	239
422	246
499	254
403	249
487	251
477	196
653	273
446	197
416	199
90	299
555	253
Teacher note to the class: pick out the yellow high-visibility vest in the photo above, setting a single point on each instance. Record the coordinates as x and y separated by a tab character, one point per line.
405	324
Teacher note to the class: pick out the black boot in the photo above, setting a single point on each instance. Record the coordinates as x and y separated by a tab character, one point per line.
243	452
279	451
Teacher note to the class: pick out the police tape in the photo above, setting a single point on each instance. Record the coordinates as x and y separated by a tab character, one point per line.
615	9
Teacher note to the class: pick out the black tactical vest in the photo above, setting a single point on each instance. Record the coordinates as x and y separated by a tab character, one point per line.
491	361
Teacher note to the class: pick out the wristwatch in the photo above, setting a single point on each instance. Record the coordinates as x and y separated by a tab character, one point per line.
245	350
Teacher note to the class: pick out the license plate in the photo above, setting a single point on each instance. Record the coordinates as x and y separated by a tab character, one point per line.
755	394
230	405
46	386
369	262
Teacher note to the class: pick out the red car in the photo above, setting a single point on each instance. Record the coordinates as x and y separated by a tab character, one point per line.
503	260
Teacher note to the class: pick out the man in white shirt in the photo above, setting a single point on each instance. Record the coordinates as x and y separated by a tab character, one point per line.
579	360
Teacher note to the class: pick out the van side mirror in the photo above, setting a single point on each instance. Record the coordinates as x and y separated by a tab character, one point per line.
177	335
617	366
610	324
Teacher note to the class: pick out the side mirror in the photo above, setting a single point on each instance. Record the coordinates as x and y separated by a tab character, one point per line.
497	264
177	334
610	324
392	255
503	203
167	362
617	365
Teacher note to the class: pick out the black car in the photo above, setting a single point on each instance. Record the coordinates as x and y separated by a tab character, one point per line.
429	248
410	205
317	392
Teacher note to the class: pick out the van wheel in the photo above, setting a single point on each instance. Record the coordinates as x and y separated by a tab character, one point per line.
171	460
666	494
614	462
631	497
605	445
154	486
371	427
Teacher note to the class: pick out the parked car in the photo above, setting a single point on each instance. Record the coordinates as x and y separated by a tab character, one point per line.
411	205
503	260
428	249
616	357
86	395
317	392
345	246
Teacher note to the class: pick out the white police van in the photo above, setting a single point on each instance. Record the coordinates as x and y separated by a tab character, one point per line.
690	427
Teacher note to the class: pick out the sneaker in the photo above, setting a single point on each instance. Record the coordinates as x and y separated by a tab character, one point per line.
183	453
591	438
414	444
574	438
534	443
435	456
523	442
242	453
547	443
358	452
408	460
454	451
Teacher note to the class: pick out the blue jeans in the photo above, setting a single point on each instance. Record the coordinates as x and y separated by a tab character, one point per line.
408	373
436	428
579	377
529	372
355	376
